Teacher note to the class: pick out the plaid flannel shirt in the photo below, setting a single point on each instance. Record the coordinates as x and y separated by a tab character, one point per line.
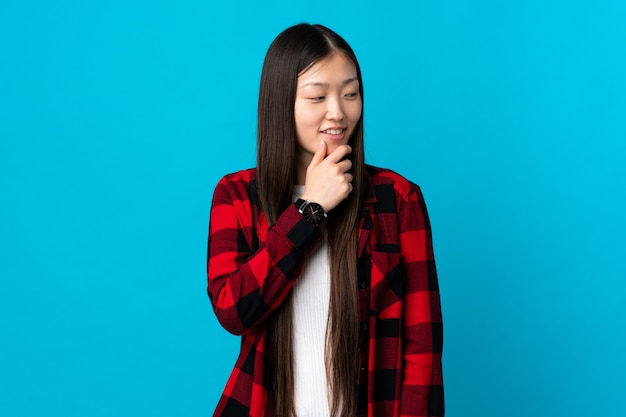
252	267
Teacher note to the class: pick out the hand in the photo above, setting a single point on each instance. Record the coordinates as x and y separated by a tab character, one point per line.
328	181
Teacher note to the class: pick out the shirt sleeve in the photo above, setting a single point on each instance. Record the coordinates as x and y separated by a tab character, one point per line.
422	381
244	284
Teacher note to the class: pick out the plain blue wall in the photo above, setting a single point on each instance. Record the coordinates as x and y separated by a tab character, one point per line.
117	119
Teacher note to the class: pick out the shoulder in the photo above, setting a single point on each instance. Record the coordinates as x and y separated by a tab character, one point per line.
238	185
243	176
383	178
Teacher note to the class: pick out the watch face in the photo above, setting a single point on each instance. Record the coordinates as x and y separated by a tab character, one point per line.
314	213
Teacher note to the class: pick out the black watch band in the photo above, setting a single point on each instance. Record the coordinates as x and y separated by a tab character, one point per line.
312	212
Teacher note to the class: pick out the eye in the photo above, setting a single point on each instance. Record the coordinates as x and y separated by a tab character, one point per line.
317	99
352	95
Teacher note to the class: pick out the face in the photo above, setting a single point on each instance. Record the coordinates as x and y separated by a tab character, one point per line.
328	106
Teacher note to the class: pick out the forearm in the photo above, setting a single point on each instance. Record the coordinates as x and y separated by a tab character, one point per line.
245	286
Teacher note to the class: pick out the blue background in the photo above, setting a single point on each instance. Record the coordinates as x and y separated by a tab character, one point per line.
117	119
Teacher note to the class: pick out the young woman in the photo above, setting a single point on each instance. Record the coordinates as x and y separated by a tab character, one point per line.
324	265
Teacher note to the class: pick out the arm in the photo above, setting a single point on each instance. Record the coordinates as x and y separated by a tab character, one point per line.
422	383
245	286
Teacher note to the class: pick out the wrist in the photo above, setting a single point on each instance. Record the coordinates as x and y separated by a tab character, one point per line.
315	199
312	212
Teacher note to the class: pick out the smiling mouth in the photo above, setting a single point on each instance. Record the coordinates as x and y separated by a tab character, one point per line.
333	131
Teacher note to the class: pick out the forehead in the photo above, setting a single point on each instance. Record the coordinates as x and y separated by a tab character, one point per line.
336	67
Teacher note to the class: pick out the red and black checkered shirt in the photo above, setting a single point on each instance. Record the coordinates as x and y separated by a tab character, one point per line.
252	267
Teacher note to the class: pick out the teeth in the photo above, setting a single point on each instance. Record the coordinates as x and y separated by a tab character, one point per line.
334	131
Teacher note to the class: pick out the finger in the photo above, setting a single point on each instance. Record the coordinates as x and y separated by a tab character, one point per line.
345	165
338	154
319	154
349	178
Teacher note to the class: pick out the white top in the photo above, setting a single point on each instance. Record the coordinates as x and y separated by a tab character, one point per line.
311	299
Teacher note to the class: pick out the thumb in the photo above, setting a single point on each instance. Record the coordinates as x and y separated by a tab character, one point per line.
319	154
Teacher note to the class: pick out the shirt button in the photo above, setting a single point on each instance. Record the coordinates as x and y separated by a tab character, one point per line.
364	326
363	284
362	369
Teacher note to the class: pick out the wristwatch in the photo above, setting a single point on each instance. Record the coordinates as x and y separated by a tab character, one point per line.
312	212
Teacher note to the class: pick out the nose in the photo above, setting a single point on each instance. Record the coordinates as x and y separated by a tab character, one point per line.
334	111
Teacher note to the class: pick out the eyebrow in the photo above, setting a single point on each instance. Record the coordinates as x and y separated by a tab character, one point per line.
345	82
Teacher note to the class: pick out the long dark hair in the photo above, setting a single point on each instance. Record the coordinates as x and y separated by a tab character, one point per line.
292	52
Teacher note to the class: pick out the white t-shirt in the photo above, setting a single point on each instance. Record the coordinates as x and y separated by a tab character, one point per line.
311	299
